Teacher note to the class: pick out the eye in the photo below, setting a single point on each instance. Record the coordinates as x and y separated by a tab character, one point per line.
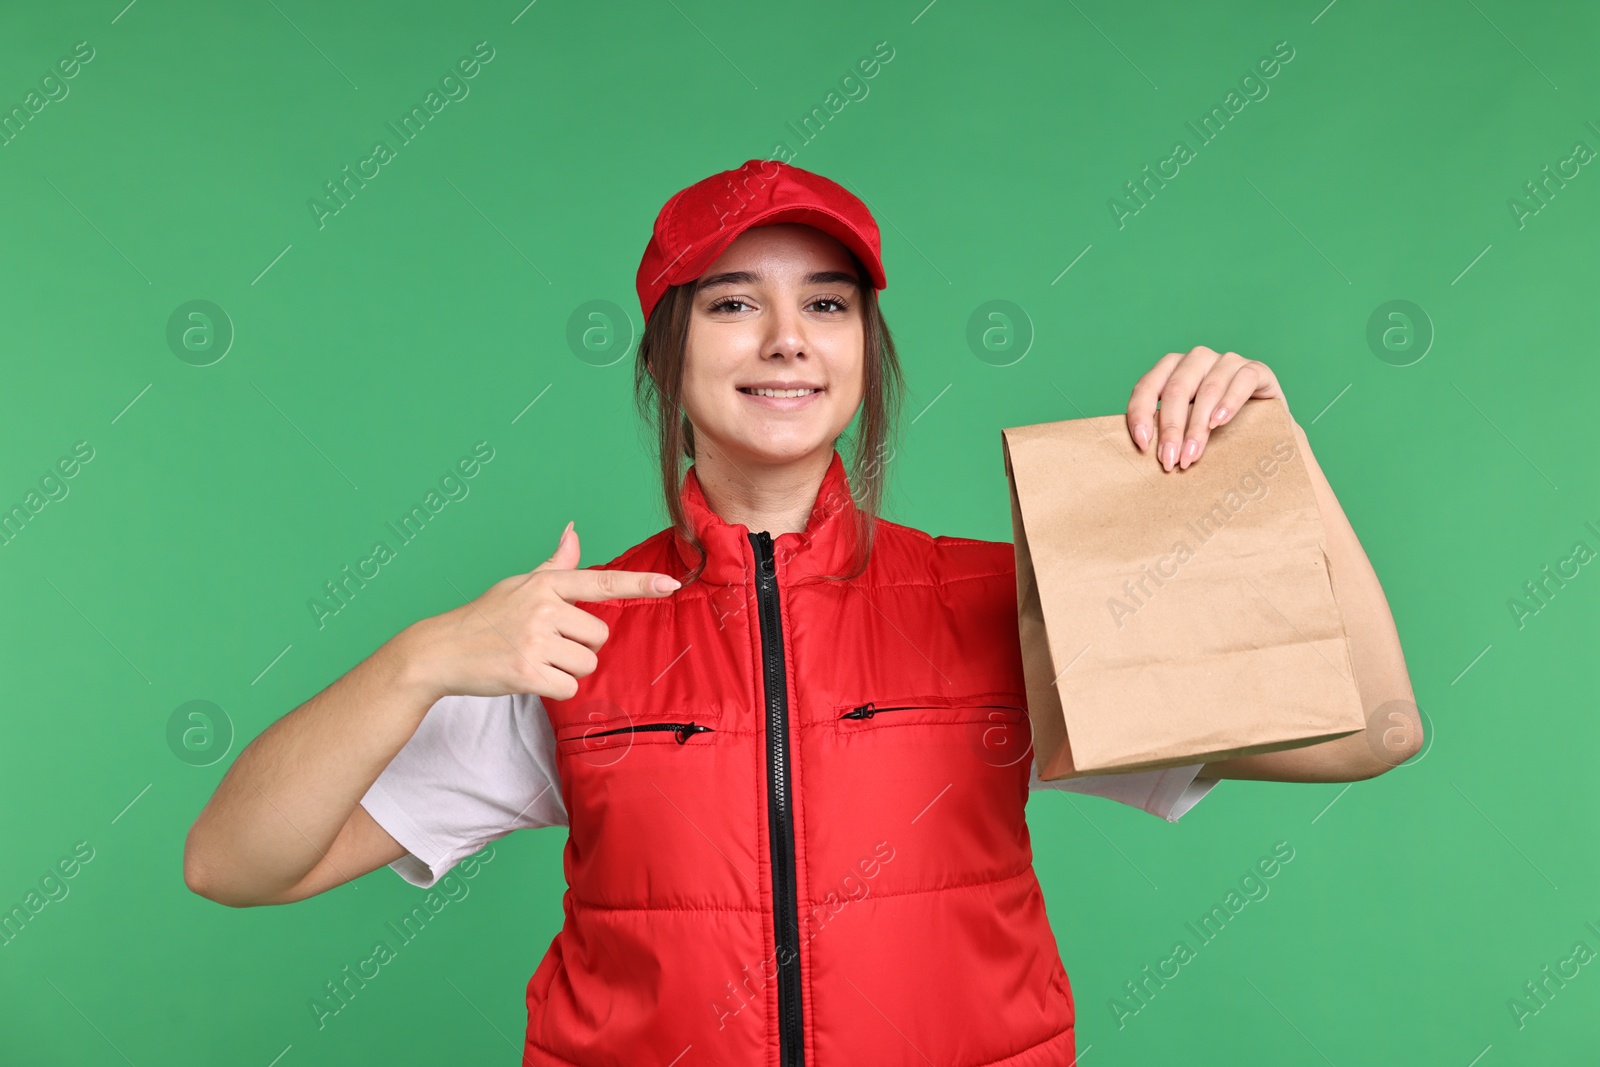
733	303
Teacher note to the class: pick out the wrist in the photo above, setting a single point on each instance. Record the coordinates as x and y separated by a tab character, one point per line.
409	667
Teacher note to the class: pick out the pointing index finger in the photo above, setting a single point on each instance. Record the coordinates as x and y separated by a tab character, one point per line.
595	585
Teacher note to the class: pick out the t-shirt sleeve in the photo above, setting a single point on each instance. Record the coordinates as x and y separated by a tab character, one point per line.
476	769
1166	791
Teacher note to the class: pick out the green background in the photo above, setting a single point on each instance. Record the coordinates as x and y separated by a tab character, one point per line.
433	309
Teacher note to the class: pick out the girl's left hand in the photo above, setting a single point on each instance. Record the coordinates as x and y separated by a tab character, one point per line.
1217	385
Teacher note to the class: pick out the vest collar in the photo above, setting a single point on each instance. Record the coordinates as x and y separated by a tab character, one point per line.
826	546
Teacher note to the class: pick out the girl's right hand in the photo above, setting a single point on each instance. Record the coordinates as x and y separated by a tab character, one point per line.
525	634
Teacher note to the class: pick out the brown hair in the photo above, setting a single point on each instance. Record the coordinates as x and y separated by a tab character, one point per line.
658	384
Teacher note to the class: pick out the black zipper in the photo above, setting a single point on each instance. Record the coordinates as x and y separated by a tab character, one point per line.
869	709
683	730
785	905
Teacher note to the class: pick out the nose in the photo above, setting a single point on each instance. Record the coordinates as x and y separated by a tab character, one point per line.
786	332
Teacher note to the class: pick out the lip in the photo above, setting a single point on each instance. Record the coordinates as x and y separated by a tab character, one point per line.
782	403
779	383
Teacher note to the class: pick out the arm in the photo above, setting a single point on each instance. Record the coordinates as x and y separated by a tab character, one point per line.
286	822
1394	730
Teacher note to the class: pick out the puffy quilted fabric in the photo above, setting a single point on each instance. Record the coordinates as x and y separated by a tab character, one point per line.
790	879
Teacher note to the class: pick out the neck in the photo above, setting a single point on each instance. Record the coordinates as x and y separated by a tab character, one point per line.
777	498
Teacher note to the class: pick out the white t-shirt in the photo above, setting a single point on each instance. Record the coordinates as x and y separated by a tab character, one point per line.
480	767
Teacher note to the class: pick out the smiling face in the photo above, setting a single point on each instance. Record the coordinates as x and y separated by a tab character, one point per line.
773	369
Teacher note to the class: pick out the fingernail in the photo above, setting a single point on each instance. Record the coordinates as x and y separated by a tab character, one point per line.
1141	433
1191	449
664	584
565	531
1169	455
1218	415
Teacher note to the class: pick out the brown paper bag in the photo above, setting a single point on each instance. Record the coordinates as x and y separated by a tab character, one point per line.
1173	617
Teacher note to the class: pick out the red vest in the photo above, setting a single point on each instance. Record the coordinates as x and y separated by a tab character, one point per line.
796	830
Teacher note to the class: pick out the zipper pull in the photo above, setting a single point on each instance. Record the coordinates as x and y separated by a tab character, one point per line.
768	565
682	732
864	711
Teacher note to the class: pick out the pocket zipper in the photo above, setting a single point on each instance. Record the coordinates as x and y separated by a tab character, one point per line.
869	709
682	729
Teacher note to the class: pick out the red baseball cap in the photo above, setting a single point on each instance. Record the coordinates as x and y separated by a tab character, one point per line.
698	223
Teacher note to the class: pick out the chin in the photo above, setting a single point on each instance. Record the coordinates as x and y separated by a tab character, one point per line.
770	451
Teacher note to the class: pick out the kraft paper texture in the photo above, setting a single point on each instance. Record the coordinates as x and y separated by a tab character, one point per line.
1173	617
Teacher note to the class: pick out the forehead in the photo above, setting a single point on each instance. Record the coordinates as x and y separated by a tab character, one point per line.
783	248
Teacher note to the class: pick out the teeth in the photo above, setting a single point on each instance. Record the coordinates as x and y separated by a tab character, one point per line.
780	392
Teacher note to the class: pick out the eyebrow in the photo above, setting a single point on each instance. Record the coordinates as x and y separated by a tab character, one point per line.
745	277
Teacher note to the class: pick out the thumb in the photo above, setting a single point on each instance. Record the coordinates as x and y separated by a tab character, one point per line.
565	557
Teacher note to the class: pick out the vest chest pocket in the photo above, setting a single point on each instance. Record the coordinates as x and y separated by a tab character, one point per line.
602	743
648	817
993	726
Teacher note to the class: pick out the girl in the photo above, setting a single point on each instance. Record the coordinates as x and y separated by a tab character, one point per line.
794	779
